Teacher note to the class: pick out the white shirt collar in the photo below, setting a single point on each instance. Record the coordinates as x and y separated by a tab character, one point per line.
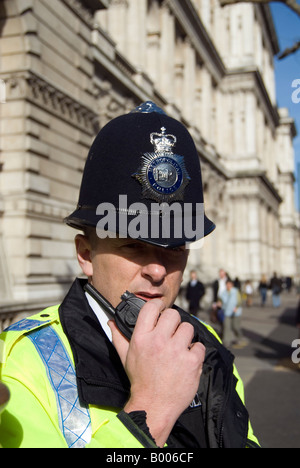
101	315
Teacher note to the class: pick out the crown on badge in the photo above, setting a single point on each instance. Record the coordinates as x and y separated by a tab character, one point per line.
163	142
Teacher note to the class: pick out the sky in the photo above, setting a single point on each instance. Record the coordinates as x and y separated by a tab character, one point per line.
287	70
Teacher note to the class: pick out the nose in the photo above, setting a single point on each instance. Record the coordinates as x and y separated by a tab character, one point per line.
155	269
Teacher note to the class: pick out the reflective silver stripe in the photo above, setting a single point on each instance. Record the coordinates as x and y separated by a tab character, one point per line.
25	325
74	420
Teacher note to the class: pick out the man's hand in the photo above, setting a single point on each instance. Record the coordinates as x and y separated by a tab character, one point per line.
163	366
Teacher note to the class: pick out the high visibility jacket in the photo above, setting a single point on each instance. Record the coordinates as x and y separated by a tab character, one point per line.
45	411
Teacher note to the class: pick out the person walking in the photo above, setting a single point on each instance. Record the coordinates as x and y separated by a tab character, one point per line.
194	293
219	286
249	293
231	303
263	289
276	288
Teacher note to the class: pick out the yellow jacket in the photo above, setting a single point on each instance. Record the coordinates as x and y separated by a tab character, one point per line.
44	411
37	365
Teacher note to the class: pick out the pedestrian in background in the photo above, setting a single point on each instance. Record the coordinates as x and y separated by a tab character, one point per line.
288	283
194	293
249	293
263	289
276	287
237	284
219	287
231	302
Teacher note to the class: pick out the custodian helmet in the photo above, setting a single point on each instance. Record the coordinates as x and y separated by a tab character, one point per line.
142	179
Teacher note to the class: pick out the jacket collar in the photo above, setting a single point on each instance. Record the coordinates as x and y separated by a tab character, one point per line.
101	378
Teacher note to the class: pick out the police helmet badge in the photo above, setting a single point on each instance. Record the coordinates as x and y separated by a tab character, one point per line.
162	174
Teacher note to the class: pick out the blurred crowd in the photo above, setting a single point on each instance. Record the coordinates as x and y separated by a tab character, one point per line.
229	296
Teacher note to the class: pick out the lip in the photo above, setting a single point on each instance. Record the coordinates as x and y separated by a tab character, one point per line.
146	296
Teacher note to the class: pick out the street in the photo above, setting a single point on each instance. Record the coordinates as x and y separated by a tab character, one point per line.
271	379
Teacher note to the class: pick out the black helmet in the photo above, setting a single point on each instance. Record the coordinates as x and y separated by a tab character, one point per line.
142	179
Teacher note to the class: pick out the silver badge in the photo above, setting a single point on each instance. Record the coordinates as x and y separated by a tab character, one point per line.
162	174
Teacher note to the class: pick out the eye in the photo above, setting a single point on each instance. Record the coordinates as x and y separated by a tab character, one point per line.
180	249
176	253
133	246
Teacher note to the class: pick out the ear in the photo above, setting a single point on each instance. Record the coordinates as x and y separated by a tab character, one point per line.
83	249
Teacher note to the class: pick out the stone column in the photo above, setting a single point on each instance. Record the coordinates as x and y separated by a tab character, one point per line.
136	33
167	53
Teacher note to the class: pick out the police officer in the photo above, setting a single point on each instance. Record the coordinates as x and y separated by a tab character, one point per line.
84	381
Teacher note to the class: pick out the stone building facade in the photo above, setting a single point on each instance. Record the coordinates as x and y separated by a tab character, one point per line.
69	66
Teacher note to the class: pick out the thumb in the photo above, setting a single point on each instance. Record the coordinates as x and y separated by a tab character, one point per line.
119	341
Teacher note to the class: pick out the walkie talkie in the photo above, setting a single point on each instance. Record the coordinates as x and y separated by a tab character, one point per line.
126	313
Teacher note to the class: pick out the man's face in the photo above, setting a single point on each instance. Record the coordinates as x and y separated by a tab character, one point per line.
222	274
193	275
119	265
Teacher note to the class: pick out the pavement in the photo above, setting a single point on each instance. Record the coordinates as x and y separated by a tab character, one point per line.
271	379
